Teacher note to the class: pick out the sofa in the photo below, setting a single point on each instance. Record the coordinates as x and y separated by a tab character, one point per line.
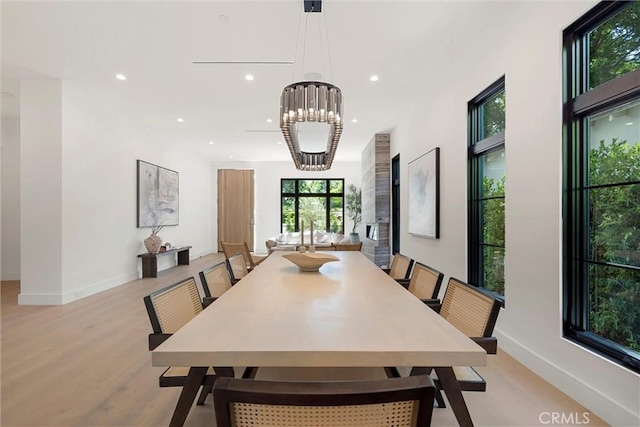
291	240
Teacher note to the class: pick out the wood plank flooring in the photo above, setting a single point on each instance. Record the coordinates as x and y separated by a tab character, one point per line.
87	364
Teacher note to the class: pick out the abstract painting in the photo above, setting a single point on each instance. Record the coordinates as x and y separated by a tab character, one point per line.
158	195
424	195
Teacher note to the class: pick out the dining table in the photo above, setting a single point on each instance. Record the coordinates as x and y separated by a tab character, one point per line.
349	314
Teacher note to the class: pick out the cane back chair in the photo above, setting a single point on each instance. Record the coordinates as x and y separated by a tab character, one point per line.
394	402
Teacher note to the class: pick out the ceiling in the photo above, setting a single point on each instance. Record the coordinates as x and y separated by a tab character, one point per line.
154	44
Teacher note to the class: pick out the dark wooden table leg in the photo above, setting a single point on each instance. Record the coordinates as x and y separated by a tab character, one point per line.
224	371
188	394
451	387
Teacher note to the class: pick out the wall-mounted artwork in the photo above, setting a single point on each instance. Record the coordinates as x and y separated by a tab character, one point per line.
158	195
424	195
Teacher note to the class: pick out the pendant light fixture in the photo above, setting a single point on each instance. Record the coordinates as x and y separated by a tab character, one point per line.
313	102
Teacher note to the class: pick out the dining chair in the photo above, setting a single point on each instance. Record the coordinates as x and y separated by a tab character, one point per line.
425	284
231	248
390	402
348	246
215	280
325	248
400	268
237	267
169	309
474	312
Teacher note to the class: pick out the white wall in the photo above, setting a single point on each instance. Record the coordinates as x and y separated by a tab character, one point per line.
40	190
267	192
523	42
98	237
10	199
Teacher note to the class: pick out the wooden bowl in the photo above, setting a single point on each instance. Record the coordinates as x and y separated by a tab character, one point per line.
311	261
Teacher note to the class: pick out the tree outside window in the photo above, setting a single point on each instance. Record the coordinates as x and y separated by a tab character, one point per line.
487	189
317	200
602	182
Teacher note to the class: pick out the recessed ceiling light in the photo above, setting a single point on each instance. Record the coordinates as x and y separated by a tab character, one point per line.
231	157
629	123
279	142
224	19
121	77
248	77
354	121
269	120
211	142
374	78
180	120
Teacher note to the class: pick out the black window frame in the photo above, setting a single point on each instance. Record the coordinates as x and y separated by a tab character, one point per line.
476	149
580	102
395	204
297	195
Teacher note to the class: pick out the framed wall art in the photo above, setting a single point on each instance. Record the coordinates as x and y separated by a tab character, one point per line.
158	195
424	195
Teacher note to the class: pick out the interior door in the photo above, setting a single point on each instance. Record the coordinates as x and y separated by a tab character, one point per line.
235	206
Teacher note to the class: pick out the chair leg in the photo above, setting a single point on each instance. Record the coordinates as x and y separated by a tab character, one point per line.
206	389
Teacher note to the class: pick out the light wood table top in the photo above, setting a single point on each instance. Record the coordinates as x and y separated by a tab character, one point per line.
349	314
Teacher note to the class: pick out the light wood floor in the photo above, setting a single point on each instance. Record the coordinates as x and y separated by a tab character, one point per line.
87	364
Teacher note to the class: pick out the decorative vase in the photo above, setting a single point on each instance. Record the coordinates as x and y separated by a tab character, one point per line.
355	237
152	243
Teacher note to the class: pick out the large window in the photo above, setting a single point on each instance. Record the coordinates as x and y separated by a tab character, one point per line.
486	189
601	199
320	200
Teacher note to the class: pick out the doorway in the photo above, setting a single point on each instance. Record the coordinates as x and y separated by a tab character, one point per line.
235	206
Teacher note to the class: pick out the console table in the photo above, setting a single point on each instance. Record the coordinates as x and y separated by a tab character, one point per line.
150	261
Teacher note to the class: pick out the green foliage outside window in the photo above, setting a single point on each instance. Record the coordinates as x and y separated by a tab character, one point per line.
289	214
314	202
493	234
493	117
614	47
313	209
614	237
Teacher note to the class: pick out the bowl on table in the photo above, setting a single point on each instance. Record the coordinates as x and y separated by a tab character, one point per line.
310	262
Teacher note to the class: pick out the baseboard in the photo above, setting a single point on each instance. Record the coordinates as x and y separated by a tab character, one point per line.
601	405
201	254
39	299
75	294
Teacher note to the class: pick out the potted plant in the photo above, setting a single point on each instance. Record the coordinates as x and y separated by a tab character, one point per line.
353	202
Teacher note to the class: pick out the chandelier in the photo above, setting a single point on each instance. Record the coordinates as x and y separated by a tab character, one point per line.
311	102
314	102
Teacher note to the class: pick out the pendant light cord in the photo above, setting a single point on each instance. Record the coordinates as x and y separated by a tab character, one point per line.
295	54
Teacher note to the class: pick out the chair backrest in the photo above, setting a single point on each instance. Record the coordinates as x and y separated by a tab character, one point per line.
348	246
406	401
470	309
171	307
237	267
215	280
400	267
231	248
325	248
425	281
